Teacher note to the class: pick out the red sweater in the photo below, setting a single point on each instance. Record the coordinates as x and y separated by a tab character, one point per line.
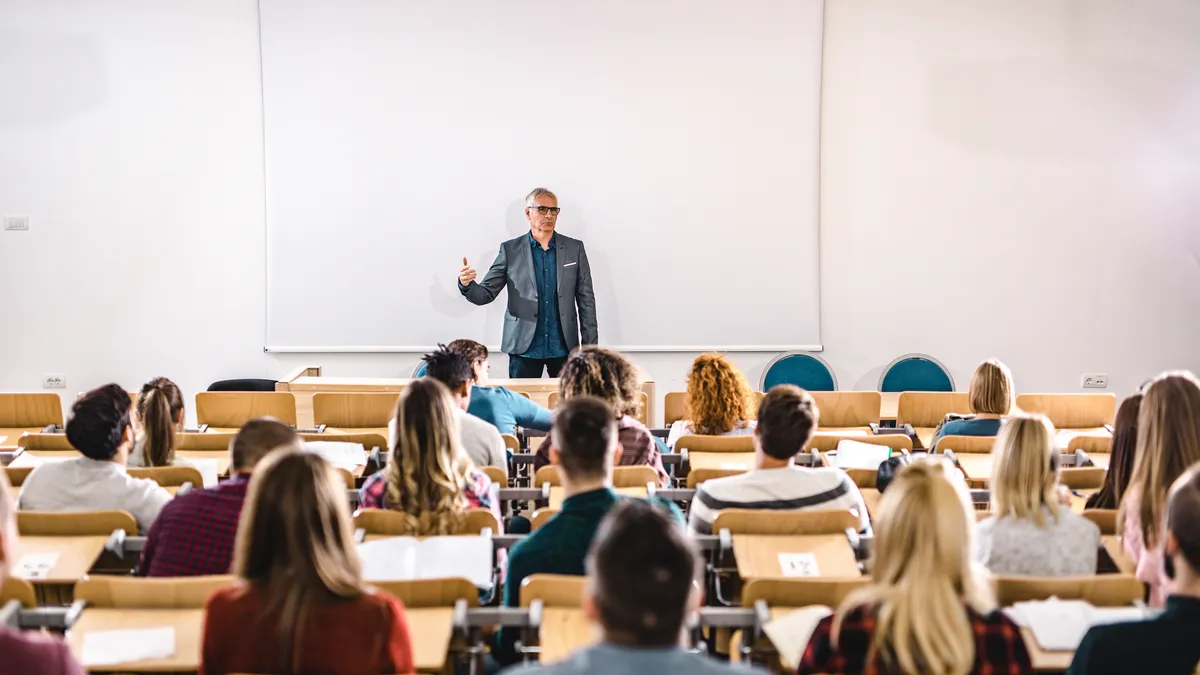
367	636
33	654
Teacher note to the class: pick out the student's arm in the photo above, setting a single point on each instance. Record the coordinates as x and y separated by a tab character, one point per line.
212	649
819	652
528	414
149	503
150	548
399	645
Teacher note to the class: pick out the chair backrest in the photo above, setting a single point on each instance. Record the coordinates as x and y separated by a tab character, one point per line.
702	443
541	517
1072	411
1090	444
74	523
431	592
825	442
554	590
45	442
496	474
927	409
1105	519
30	410
634	476
230	410
965	443
847	408
916	372
243	384
357	410
1085	478
806	521
675	405
388	522
419	371
641	416
205	441
116	592
17	476
826	591
1102	590
366	439
346	476
696	477
547	474
511	442
170	476
19	590
864	478
807	371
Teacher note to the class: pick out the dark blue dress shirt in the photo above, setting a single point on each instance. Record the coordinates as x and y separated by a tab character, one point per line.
548	341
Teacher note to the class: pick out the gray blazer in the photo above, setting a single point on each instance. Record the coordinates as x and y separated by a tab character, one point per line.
514	268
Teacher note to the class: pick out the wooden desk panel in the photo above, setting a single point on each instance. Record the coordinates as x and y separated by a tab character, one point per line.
721	460
871	498
889	403
564	630
557	495
188	625
431	629
758	555
1116	550
976	465
9	436
76	555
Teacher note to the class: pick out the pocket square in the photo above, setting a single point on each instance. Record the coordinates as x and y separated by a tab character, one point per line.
571	263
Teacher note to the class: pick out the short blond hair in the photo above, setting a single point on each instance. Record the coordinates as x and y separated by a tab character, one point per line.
1025	468
992	391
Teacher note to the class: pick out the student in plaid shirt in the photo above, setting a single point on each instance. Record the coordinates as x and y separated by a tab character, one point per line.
194	534
927	609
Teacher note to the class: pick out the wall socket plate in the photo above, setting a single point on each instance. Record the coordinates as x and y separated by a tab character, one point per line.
54	381
13	223
1094	381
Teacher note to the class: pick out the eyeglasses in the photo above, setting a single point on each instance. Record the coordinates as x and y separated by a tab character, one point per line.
551	210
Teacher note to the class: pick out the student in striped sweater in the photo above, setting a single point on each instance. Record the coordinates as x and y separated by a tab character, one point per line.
786	420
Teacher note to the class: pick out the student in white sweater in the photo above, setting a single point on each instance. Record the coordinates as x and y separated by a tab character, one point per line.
1032	532
786	420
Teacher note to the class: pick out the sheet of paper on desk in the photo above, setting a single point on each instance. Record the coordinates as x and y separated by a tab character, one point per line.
405	558
840	432
110	647
790	632
27	460
209	469
799	565
1063	438
36	566
339	454
1059	625
858	455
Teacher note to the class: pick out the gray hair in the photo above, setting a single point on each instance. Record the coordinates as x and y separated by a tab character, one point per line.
539	192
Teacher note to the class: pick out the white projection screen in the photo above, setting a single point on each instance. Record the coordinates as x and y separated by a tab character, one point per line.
681	136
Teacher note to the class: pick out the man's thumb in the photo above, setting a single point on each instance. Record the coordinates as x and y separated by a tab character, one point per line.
464	262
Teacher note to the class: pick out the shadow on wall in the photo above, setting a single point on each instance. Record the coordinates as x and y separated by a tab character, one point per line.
48	79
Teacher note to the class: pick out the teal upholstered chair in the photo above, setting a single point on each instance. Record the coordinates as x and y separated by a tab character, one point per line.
420	370
916	372
804	370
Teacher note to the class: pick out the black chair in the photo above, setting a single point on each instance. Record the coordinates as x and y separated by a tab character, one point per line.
246	384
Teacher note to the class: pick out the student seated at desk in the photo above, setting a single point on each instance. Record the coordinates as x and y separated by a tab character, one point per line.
584	446
1123	451
100	429
605	374
719	403
29	653
194	534
302	605
1166	644
927	609
1168	443
158	415
992	396
1032	532
644	579
786	420
502	408
428	476
480	440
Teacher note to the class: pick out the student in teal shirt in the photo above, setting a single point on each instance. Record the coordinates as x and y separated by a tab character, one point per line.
991	399
502	408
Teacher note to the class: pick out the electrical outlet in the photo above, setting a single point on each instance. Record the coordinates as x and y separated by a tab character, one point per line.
1095	381
16	222
54	382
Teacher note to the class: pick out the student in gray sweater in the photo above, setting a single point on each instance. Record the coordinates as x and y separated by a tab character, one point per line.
642	574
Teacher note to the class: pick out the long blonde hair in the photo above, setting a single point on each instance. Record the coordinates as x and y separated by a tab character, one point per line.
922	574
1025	469
718	396
1168	442
427	474
992	391
295	545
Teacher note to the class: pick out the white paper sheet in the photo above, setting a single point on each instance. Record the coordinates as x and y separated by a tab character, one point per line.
3	438
790	633
1059	625
340	454
209	470
857	455
799	565
111	647
404	558
27	460
1063	438
842	432
36	566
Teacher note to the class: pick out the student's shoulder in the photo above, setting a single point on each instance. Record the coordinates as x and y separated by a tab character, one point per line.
32	652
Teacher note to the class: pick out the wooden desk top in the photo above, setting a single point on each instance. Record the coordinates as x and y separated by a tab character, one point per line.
976	465
556	495
188	625
925	435
758	555
10	435
1100	459
221	456
1042	660
1116	550
430	629
76	555
871	498
721	460
564	630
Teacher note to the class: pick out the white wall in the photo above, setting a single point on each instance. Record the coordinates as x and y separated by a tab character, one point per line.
1012	179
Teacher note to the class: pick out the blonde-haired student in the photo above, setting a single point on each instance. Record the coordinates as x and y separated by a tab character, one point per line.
1031	532
991	397
301	605
1168	443
927	609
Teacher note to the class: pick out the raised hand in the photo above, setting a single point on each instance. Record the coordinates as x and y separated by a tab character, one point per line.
466	274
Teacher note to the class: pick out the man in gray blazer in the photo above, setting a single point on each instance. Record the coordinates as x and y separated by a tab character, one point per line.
551	305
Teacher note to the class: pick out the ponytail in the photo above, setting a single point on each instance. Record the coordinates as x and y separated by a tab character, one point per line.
159	405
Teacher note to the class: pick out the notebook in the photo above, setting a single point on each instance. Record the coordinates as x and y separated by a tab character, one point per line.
853	454
35	566
111	647
1059	625
407	558
338	453
208	470
790	633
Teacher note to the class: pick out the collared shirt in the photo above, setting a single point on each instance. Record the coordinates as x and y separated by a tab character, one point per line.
637	448
999	648
83	484
1163	645
548	341
559	547
506	410
609	659
194	534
